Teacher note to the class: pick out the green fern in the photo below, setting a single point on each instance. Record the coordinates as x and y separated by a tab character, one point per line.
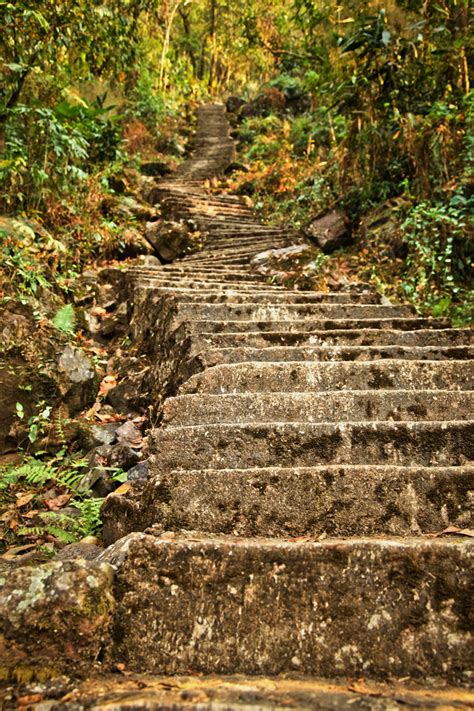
8	478
32	470
65	319
61	534
90	519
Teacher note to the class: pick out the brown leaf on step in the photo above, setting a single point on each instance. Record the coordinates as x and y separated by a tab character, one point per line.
7	515
110	417
455	531
360	687
58	502
31	514
28	701
123	488
300	539
16	550
109	382
98	311
23	500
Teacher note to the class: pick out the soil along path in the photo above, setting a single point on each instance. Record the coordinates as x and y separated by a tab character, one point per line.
309	448
314	441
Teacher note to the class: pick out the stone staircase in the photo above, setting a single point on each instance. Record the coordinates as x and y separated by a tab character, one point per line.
309	446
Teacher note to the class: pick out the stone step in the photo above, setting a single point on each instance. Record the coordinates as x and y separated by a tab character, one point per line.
254	693
303	444
287	312
212	274
217	248
301	376
278	354
356	607
201	283
311	325
267	294
337	500
181	268
361	336
339	406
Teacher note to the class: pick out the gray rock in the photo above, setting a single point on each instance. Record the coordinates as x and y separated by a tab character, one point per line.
81	550
149	260
128	433
95	435
170	239
330	231
54	618
78	380
139	473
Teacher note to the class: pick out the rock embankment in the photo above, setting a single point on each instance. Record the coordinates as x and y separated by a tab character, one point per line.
311	449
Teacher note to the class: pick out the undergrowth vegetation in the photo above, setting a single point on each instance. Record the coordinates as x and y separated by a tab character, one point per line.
361	107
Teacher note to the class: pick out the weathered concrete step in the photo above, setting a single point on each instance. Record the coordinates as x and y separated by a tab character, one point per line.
357	607
218	269
206	207
254	693
333	499
339	406
267	294
163	281
214	256
242	260
211	274
287	312
304	444
231	238
270	294
278	354
218	221
317	376
310	325
216	247
362	336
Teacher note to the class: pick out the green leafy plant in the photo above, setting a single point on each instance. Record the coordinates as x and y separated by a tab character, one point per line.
65	319
38	422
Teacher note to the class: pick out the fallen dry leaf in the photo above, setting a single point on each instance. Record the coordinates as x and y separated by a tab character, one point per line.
27	701
23	500
109	382
300	539
58	502
455	531
12	552
98	311
360	687
123	488
31	514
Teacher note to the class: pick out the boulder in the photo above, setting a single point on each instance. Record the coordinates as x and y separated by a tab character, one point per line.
93	435
78	379
170	239
155	169
54	618
269	101
330	231
140	472
233	104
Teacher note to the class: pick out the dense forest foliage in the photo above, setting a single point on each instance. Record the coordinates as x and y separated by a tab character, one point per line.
365	107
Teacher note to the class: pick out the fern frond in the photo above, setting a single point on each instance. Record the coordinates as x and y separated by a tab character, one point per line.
90	520
65	319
